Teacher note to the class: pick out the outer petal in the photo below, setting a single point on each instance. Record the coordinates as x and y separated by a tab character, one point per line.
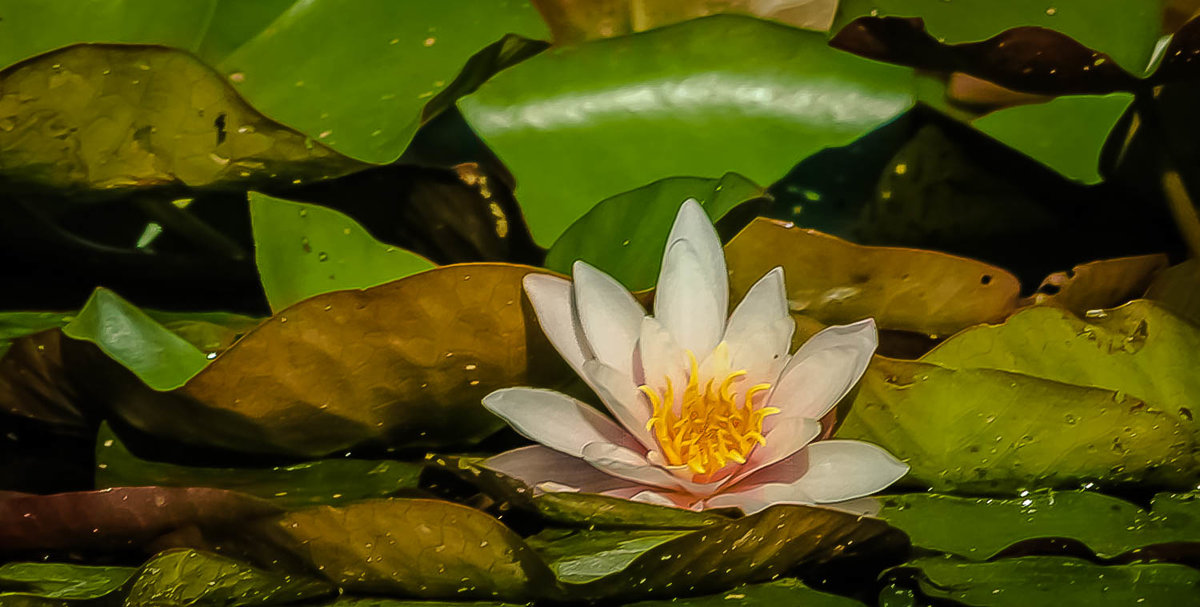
536	466
822	371
555	420
553	302
693	225
627	464
688	302
760	328
610	317
622	398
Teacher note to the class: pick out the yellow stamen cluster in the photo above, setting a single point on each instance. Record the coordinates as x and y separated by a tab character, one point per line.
711	426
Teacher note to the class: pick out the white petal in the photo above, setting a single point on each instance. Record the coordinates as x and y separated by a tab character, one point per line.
553	303
784	440
756	499
536	465
688	302
822	371
622	398
760	330
555	420
611	318
840	470
627	464
693	225
662	498
660	356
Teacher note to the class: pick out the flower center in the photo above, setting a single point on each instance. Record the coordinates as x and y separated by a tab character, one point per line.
713	424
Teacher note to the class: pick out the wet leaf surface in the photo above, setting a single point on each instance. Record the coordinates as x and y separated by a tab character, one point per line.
191	577
115	118
982	528
603	512
304	250
313	483
983	431
1177	289
835	281
405	363
625	235
673	100
381	63
60	580
1107	283
116	518
781	592
573	21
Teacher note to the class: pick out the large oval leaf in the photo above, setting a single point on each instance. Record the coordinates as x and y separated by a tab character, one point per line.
836	281
704	97
1106	283
191	577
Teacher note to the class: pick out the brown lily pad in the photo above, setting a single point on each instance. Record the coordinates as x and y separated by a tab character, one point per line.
1107	283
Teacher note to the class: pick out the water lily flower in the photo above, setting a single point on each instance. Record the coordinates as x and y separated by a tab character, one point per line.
708	409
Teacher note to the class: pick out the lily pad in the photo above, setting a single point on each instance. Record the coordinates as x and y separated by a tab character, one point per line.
625	235
34	382
603	512
982	528
835	281
117	117
1177	289
381	62
1107	283
65	581
996	432
304	250
1139	349
1046	581
306	484
191	577
402	363
782	592
703	97
1066	134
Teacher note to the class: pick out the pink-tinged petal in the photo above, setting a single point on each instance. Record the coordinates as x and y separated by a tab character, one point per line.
822	371
622	398
693	226
611	318
785	440
660	356
553	303
688	303
664	498
629	465
757	499
841	470
555	420
863	506
759	333
545	469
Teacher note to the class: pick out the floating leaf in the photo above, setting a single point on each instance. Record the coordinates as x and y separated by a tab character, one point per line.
576	20
63	581
580	556
995	432
981	529
112	117
207	331
304	250
33	381
1137	349
600	512
116	518
191	577
402	363
782	592
307	484
381	62
1100	284
1177	289
1066	134
1046	581
625	235
835	281
704	97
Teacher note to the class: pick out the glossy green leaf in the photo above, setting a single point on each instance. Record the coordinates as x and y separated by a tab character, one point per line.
15	325
1126	30
210	332
191	577
779	593
313	483
600	512
1066	134
995	432
118	117
578	556
981	528
304	250
65	581
1046	581
625	235
354	601
577	125
160	358
1139	349
380	63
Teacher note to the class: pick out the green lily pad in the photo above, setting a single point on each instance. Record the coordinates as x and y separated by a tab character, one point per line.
1046	581
330	481
191	577
64	581
579	556
703	97
14	325
380	63
1177	288
625	235
782	592
210	332
603	512
981	528
1066	134
117	117
304	250
1139	349
996	432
